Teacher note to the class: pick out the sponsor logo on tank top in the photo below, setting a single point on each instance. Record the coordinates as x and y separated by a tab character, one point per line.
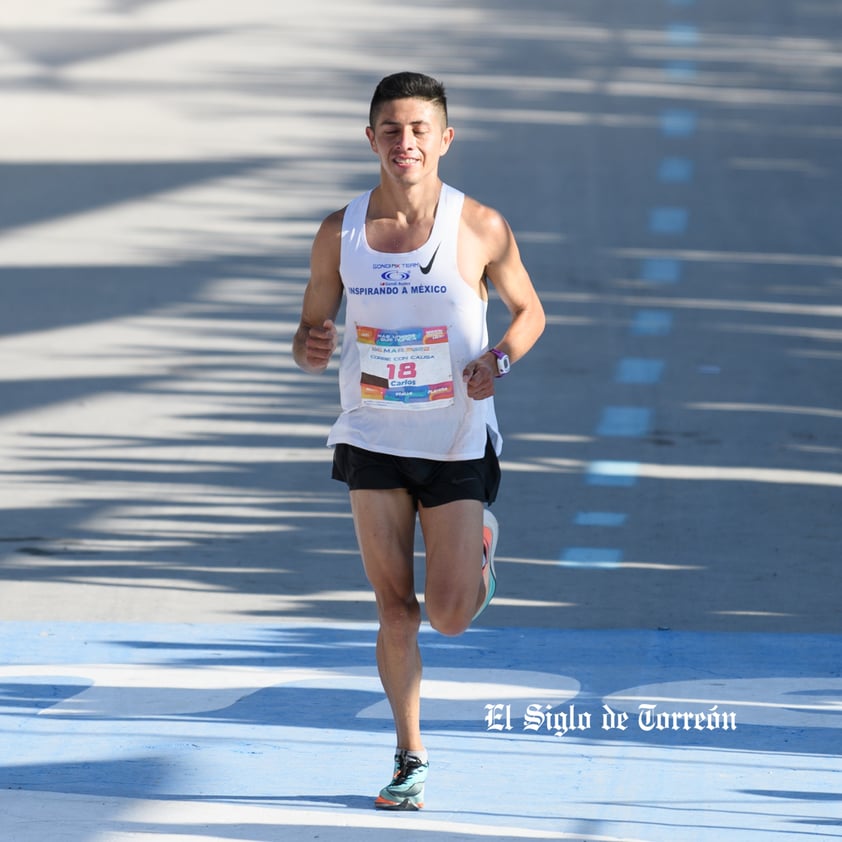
396	279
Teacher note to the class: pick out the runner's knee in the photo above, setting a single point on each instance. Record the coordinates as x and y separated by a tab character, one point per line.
450	618
399	617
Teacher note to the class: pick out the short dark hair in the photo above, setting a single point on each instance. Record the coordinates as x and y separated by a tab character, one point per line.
407	85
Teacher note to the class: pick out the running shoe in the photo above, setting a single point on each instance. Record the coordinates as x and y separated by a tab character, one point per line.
490	531
406	791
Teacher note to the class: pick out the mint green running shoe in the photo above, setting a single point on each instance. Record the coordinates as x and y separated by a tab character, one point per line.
406	791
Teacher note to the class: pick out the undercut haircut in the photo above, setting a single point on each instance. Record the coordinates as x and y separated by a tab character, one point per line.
407	85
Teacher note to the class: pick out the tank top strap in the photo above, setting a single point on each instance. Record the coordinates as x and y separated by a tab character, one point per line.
353	222
448	213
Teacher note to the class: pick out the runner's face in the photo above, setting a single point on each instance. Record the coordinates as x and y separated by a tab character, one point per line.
409	138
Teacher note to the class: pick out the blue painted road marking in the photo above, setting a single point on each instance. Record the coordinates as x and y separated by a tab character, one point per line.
605	558
610	473
680	71
174	730
637	370
675	170
678	122
668	220
631	421
661	270
651	323
608	519
683	34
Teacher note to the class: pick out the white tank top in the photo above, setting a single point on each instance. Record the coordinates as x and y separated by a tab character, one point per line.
412	323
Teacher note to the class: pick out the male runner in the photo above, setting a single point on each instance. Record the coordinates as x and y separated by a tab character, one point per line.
418	434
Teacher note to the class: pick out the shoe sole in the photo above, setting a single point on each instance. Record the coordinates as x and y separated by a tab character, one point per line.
407	804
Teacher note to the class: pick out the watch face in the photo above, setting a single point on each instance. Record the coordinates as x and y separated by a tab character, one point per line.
503	364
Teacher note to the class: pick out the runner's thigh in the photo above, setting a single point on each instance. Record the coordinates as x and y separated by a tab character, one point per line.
453	539
384	520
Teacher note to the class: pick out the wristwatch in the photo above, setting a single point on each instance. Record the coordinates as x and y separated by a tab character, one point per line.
503	364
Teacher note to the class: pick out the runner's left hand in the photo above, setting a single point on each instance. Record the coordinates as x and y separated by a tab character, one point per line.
479	376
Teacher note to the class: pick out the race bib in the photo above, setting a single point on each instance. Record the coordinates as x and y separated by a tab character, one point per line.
405	369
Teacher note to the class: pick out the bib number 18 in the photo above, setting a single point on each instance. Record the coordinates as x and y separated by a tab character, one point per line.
404	371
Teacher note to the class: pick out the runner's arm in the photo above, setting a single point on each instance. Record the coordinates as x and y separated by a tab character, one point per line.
505	270
316	338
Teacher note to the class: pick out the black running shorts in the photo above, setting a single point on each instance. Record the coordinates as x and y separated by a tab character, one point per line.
429	481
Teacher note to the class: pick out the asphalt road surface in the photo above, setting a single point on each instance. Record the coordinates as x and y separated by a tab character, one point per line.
187	631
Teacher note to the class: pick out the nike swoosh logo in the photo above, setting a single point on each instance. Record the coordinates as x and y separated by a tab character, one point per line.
426	269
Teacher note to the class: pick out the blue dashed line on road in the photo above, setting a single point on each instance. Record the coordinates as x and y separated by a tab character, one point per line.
636	421
678	122
609	519
684	34
601	557
675	170
680	71
625	421
637	370
668	220
651	323
608	473
661	270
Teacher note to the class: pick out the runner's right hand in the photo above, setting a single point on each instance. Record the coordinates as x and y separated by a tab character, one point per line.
320	344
